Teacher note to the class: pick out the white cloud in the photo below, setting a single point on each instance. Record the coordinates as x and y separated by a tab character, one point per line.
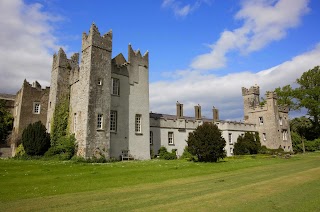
26	44
264	21
195	87
181	9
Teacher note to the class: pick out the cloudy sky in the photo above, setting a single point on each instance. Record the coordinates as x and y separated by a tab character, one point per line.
201	51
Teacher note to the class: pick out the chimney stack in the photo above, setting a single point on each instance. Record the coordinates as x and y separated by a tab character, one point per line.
215	114
197	112
179	110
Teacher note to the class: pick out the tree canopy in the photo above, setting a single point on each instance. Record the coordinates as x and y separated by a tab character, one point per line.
306	95
6	122
207	143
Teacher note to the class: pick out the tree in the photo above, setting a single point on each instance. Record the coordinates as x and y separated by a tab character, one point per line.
35	139
285	97
6	122
206	143
308	95
249	143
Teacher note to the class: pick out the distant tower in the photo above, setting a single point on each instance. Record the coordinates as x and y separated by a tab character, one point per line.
251	99
272	121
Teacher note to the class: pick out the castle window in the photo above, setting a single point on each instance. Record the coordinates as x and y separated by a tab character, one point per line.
113	121
99	81
261	120
100	121
170	138
230	138
280	121
36	107
74	122
115	86
138	123
151	137
231	151
264	136
285	135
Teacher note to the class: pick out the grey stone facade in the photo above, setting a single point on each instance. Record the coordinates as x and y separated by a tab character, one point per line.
104	91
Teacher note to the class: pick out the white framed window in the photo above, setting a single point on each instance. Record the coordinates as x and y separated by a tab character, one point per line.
170	138
231	151
261	120
230	138
151	138
74	122
115	86
100	121
113	121
36	107
285	135
264	136
280	121
138	123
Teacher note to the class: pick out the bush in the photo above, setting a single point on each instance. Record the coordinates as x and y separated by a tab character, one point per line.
164	154
249	143
64	147
187	155
206	143
35	139
20	151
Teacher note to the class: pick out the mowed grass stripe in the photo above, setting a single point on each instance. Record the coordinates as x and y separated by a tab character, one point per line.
211	191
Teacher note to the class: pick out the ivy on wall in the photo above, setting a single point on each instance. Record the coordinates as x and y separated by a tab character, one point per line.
59	127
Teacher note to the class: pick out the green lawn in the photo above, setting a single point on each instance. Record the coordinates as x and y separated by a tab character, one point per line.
249	183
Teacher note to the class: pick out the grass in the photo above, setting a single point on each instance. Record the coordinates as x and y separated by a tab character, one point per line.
259	183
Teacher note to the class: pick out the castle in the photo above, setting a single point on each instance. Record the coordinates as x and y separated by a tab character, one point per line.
109	106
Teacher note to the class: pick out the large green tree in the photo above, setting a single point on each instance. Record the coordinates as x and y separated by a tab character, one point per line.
308	94
207	143
6	122
286	97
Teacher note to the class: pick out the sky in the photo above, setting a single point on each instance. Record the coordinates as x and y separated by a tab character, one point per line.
200	51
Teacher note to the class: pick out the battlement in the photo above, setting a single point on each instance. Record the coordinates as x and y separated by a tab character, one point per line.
284	109
252	90
35	85
95	39
271	95
135	57
60	59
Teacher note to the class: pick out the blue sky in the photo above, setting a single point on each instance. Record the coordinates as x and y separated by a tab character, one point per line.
201	51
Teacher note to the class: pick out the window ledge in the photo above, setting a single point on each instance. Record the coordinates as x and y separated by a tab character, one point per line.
139	133
100	129
171	144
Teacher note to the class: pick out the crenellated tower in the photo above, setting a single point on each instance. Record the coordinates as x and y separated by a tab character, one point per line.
60	77
272	121
90	99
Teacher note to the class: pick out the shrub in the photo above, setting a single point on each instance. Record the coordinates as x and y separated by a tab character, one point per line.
164	154
187	155
64	147
35	139
20	151
206	143
249	143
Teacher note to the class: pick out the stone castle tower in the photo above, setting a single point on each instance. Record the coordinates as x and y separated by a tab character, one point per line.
109	98
271	120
